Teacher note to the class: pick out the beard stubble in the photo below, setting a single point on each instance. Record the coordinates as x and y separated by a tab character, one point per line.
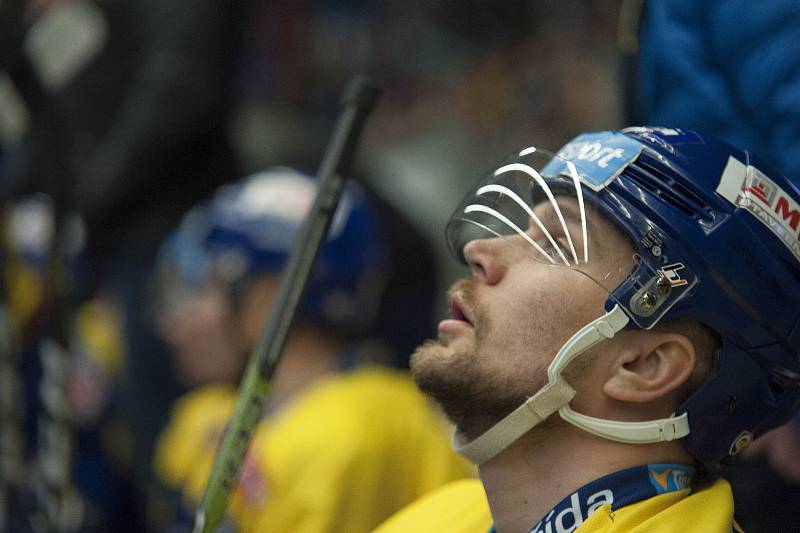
474	391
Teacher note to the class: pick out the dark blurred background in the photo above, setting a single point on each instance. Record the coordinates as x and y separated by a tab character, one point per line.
128	112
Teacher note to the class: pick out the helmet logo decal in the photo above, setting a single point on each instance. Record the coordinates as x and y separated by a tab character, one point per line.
670	274
600	157
748	188
654	243
741	442
658	290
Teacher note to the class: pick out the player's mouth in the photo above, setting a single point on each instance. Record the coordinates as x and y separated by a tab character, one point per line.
459	316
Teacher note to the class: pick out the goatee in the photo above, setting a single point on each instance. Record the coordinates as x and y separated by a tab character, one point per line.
464	381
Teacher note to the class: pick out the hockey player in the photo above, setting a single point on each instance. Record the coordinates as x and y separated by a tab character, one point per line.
629	327
344	443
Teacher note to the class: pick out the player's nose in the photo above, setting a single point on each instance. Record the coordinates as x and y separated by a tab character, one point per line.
486	260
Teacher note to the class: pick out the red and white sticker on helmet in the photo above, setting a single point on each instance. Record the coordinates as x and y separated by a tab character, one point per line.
748	188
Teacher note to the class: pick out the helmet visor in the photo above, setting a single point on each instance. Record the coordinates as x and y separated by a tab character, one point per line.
537	202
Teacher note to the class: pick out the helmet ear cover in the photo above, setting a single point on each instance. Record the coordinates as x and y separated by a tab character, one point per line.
744	391
739	281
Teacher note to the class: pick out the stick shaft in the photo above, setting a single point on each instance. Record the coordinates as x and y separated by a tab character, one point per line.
358	99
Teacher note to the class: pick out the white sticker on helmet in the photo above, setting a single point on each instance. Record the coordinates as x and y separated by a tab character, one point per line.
763	199
286	194
600	157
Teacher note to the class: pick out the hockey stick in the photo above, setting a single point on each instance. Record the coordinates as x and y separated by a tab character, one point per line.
358	99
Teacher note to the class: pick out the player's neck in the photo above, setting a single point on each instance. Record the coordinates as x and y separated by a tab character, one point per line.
308	355
530	477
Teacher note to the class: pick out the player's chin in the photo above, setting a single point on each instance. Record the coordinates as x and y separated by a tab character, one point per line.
435	360
427	349
431	353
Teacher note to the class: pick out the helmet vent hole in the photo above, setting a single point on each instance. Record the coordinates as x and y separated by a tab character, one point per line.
678	196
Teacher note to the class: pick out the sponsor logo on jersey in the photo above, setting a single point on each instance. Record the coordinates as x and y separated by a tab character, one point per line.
618	490
748	188
665	478
567	518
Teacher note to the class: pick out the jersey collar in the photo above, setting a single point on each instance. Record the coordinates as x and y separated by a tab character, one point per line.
618	489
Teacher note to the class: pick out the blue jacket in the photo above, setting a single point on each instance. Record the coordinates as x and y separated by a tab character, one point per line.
730	68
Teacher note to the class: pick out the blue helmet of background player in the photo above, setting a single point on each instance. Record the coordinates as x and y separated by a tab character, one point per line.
249	228
715	234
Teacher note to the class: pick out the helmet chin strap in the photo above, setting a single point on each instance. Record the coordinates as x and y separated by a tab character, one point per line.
556	395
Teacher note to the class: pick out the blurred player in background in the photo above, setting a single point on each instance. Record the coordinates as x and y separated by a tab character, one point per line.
345	442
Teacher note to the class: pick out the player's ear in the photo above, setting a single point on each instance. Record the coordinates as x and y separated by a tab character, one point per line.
651	365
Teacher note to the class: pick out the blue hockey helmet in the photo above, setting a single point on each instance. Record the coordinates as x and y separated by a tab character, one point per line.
183	264
715	234
250	227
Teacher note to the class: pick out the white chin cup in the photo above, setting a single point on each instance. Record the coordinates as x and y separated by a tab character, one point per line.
556	395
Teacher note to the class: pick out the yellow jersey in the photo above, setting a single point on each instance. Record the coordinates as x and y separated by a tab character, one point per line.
461	507
343	455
